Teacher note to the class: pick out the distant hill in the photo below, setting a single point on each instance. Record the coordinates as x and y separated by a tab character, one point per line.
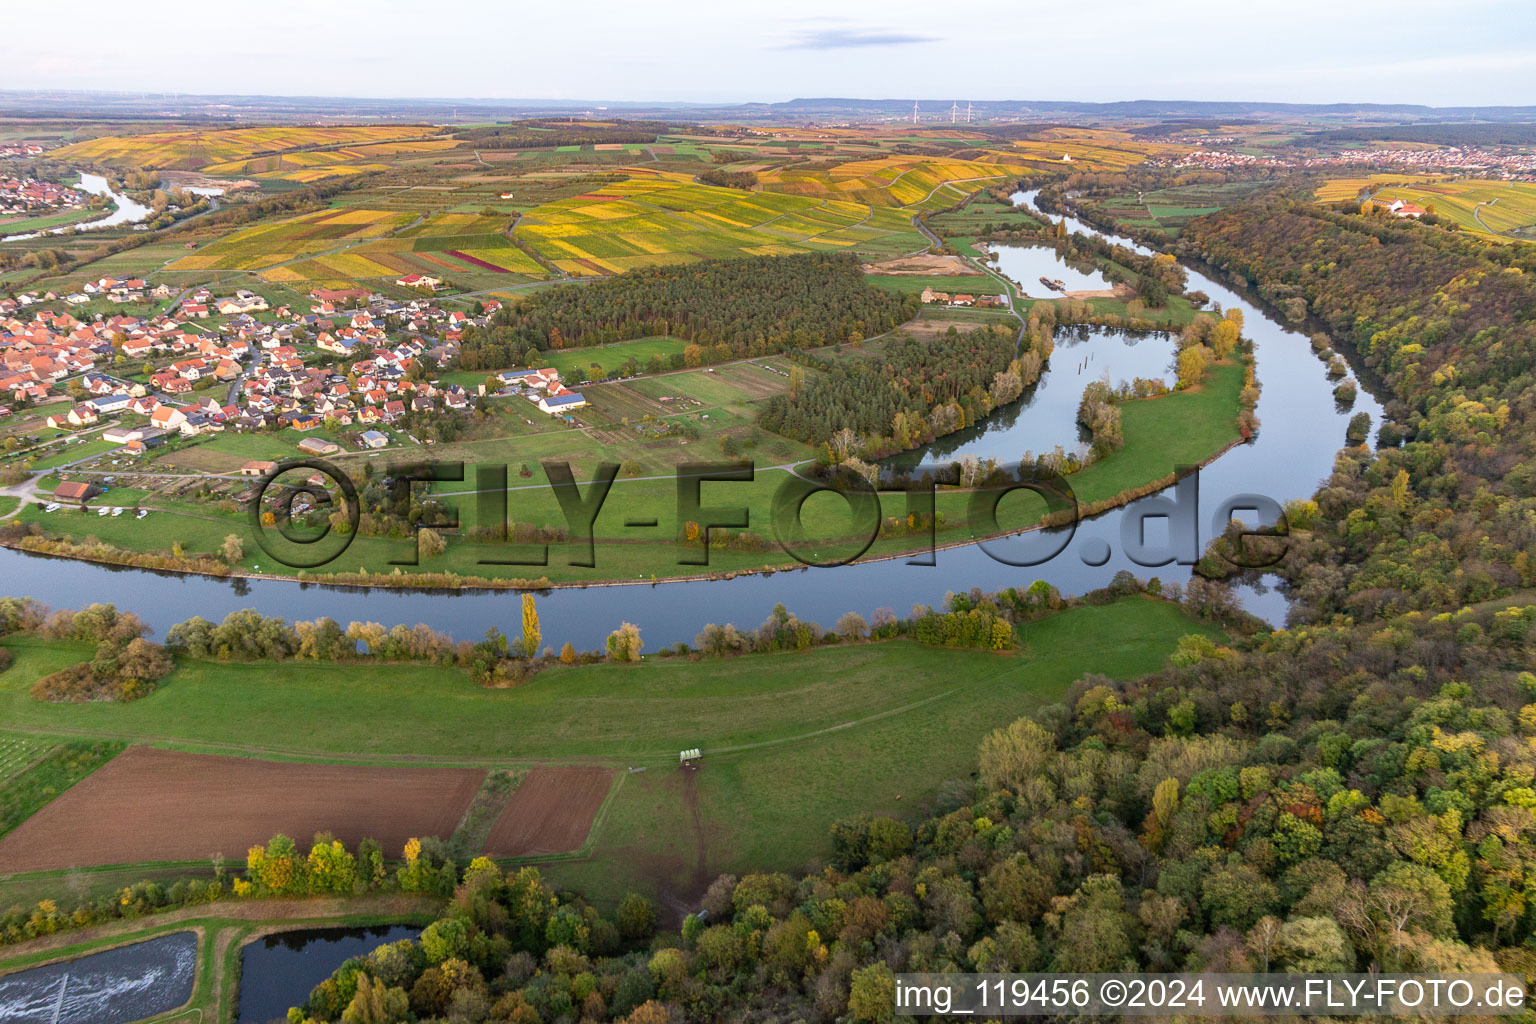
104	106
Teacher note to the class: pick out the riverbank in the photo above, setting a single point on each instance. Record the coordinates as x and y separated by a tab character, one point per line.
1188	428
793	740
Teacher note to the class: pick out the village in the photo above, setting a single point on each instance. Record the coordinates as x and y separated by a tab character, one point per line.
354	365
30	196
1504	164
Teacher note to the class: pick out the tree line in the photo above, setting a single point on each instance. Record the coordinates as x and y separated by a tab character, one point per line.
728	308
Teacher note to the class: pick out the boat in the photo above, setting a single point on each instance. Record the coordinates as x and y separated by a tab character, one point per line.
117	512
51	507
142	513
104	511
1056	285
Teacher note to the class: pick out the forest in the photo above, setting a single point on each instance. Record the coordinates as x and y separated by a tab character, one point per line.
726	309
547	134
908	393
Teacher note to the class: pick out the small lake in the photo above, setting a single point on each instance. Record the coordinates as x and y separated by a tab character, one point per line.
1045	416
120	985
127	211
279	971
1027	264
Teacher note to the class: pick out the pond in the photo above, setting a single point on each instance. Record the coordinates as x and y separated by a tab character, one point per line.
120	985
279	971
1301	427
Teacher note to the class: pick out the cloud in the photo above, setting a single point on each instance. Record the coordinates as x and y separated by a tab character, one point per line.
853	38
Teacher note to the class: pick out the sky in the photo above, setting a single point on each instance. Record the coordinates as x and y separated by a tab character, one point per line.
1470	52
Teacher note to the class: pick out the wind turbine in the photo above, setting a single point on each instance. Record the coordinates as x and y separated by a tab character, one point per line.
954	112
967	111
914	111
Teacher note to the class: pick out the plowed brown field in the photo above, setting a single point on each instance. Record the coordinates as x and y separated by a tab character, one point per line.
160	805
551	812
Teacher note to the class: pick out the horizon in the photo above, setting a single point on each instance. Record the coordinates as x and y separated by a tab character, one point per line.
1428	56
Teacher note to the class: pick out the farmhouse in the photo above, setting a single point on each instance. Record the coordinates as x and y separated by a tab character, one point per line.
1403	208
258	467
419	281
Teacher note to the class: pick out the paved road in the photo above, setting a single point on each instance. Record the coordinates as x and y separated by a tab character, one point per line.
1478	216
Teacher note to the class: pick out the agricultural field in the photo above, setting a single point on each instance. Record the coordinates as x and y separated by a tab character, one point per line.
1336	190
893	181
448	243
17	752
239	802
791	742
197	148
1088	149
576	364
1169	209
302	240
306	166
1503	210
551	812
656	218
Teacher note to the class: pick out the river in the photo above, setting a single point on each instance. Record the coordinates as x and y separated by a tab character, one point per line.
127	211
1301	428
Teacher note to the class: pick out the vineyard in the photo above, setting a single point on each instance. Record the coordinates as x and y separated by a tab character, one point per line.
266	245
452	243
1336	190
197	148
656	218
1091	149
890	181
1494	209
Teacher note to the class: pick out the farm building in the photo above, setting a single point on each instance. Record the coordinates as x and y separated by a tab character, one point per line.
258	467
318	446
374	439
125	435
74	491
558	404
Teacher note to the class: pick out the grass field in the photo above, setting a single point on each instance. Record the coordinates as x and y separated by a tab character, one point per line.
791	741
575	364
1170	209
